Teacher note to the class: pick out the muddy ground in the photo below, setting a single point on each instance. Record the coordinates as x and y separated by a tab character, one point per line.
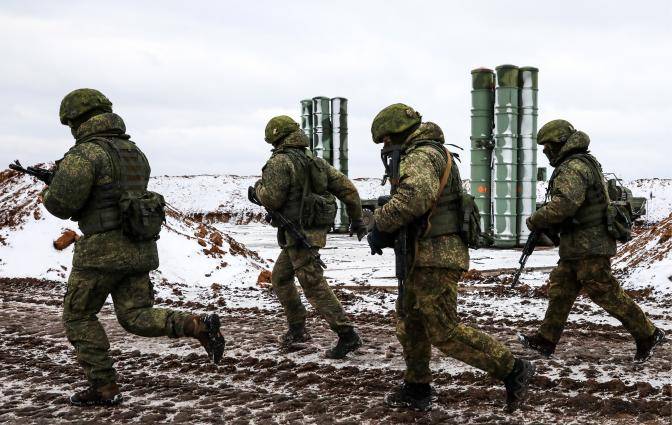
591	379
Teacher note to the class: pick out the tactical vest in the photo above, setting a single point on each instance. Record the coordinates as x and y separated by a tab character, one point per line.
593	210
130	173
446	217
308	203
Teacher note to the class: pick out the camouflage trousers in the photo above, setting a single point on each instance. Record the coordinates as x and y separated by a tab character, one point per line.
594	275
427	315
133	298
299	262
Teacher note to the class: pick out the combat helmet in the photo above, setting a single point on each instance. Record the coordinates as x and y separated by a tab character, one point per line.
279	127
393	119
556	131
81	101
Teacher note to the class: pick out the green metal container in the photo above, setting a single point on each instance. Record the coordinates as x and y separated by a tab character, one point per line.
505	157
482	141
307	119
322	142
339	120
527	148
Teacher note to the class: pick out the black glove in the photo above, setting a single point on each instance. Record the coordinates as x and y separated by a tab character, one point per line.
252	195
378	240
357	227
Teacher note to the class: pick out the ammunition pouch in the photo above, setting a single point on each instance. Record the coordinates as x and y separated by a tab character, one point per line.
318	210
142	215
125	203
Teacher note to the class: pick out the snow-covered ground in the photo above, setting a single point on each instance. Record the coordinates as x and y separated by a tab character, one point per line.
213	251
215	207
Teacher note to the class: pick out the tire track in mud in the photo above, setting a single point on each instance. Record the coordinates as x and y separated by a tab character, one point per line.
589	380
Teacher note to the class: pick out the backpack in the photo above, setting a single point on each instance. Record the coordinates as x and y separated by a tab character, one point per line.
618	212
318	206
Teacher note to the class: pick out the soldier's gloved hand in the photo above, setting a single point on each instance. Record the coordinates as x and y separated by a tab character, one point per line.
357	227
378	240
251	195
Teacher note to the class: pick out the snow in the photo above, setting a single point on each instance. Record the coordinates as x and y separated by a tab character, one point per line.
221	200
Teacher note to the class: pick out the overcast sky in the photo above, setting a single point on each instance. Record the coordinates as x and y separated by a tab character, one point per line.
196	82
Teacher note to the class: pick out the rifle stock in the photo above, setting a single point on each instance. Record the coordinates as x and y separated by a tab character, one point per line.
285	223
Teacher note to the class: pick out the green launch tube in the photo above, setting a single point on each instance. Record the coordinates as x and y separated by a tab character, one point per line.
339	120
322	144
527	148
505	161
482	142
307	119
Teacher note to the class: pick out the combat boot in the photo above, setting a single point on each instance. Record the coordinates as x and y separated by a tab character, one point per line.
296	334
103	395
645	347
205	329
517	383
412	396
347	341
537	343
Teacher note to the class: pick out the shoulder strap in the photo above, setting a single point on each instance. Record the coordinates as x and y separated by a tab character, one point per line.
597	172
442	186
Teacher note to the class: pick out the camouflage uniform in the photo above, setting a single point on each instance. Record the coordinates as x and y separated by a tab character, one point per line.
280	188
575	209
429	315
106	262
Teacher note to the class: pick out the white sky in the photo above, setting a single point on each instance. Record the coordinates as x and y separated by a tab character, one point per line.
196	82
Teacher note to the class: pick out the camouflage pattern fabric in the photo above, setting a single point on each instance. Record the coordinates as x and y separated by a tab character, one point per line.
592	274
103	263
393	119
299	262
430	318
133	299
279	180
567	196
279	127
420	174
85	166
79	102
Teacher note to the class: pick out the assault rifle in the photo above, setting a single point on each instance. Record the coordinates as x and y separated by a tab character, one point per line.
528	249
39	173
285	223
391	157
400	252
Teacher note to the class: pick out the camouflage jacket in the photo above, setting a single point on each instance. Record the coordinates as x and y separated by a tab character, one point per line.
85	166
420	174
278	181
567	196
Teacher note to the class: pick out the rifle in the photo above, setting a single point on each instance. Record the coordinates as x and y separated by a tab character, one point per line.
285	223
391	157
528	249
39	173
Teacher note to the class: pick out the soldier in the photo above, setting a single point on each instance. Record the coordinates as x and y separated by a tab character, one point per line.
575	208
102	167
302	187
423	211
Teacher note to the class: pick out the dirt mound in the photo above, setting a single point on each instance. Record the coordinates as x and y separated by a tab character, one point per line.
651	246
18	199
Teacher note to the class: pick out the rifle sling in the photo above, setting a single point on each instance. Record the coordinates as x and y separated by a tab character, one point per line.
442	186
